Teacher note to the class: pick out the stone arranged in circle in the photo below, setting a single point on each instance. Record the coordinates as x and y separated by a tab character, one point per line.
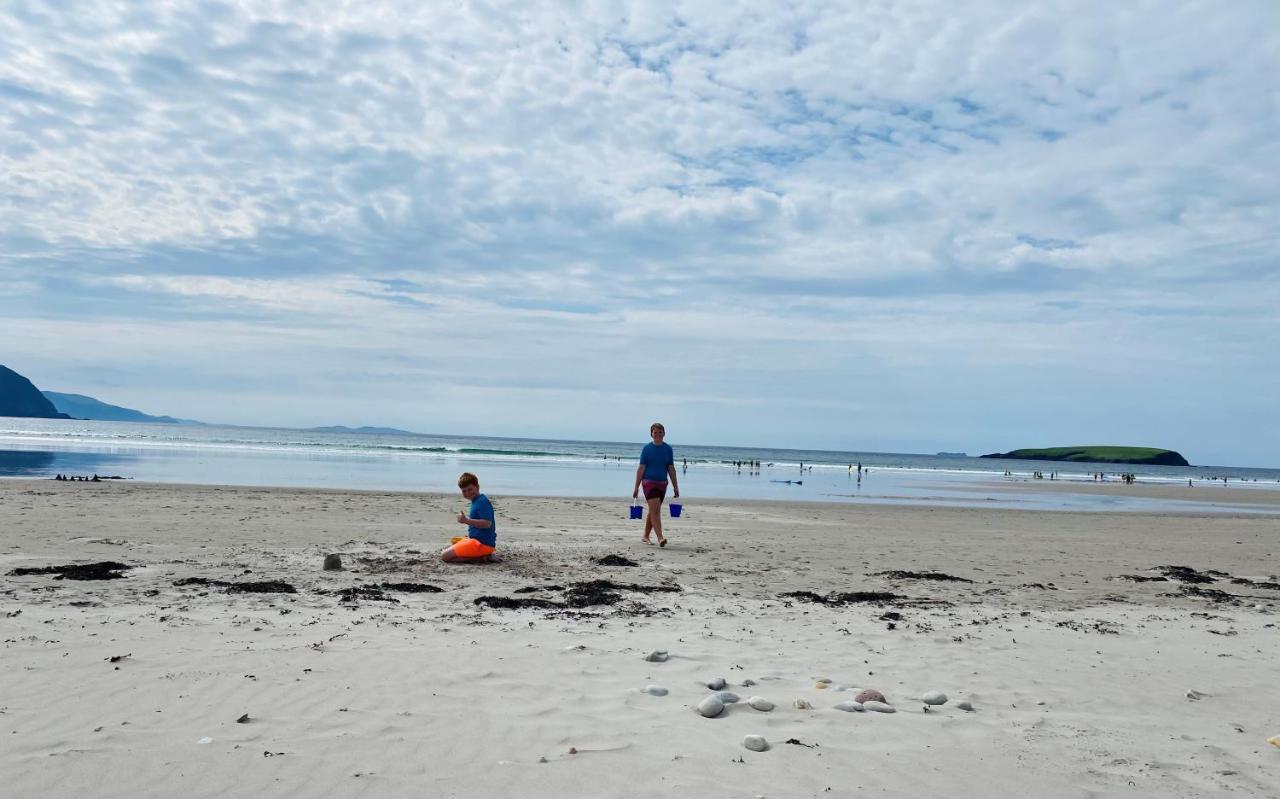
756	743
711	706
851	707
870	695
760	703
934	698
655	690
657	656
879	707
716	683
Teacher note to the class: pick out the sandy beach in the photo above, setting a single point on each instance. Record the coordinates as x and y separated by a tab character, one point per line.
174	680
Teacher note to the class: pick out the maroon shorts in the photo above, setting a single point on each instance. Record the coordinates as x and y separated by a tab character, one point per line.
654	489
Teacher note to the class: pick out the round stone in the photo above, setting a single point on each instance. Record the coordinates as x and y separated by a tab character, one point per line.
716	684
934	698
851	707
332	563
657	656
965	704
756	743
760	703
869	695
879	707
728	697
711	706
655	690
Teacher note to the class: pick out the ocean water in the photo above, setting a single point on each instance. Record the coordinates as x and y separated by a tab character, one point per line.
224	455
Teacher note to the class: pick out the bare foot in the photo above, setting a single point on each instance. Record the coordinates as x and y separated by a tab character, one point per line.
662	542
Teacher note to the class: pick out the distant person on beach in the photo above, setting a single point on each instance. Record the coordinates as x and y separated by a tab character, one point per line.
482	528
657	464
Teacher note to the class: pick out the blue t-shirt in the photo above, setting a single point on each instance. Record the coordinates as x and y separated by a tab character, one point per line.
656	459
482	508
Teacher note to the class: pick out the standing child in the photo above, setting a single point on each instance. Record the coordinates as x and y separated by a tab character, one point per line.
657	463
482	529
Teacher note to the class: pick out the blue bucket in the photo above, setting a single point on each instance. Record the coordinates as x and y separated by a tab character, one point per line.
637	511
675	508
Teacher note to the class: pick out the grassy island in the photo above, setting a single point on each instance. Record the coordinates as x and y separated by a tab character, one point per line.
1148	456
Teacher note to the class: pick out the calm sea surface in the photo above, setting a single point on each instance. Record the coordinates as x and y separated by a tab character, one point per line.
215	454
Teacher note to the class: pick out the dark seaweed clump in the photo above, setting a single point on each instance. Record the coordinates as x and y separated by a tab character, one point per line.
1139	578
1270	585
835	599
413	588
616	560
898	574
592	593
1186	574
260	587
366	592
104	570
1212	594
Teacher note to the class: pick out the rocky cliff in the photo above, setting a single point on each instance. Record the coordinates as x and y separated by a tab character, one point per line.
18	397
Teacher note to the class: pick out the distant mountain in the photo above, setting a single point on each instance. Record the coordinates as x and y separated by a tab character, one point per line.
19	397
386	431
1145	456
78	406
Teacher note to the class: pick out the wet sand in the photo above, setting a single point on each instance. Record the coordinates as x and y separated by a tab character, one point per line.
356	684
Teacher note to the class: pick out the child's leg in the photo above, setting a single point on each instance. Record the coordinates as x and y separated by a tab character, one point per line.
655	517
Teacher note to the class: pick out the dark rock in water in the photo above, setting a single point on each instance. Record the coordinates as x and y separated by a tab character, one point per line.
616	560
898	574
332	563
19	397
870	695
836	599
413	588
104	570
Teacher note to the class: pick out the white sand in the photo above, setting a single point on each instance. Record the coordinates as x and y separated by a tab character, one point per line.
436	697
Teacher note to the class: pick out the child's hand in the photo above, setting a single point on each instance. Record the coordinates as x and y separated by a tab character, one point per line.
462	518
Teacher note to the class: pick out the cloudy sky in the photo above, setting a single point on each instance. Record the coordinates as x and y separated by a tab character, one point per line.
870	225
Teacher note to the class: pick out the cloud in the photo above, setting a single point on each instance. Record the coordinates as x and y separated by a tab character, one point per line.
995	189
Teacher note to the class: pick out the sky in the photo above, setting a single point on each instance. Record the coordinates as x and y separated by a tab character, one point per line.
879	226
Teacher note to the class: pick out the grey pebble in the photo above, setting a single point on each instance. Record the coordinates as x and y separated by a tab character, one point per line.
934	698
879	707
332	563
711	706
728	697
760	703
756	743
655	690
657	656
716	684
851	707
965	704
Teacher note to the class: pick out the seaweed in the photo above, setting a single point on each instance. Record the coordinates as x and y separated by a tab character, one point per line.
413	588
615	560
1186	574
835	599
103	570
898	574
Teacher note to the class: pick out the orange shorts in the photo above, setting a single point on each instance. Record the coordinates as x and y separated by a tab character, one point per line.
471	548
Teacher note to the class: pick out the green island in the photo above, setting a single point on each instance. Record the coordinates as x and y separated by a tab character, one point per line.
1147	456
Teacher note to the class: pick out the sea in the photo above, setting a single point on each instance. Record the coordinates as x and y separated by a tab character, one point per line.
260	456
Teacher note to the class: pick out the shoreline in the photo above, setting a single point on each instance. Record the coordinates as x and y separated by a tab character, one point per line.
370	691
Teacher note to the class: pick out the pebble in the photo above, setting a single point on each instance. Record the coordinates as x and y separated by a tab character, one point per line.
716	684
965	704
851	707
802	704
824	680
756	743
1274	740
332	563
760	703
728	697
657	656
869	695
711	706
1194	694
935	698
821	685
655	690
879	707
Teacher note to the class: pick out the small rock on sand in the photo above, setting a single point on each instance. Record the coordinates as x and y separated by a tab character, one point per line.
756	743
728	697
711	706
869	695
879	707
716	683
851	707
760	703
965	704
332	563
655	690
934	698
657	656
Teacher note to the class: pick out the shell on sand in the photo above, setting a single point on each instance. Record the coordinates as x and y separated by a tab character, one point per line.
870	695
